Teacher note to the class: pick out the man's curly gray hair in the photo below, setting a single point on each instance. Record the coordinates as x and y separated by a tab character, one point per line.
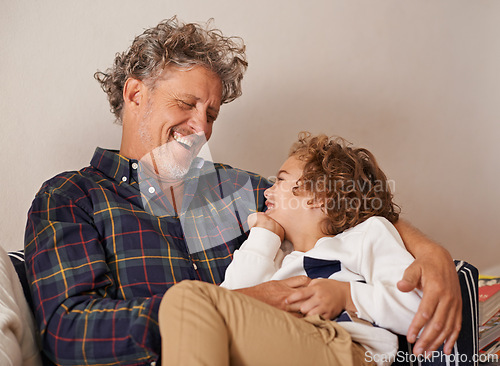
183	45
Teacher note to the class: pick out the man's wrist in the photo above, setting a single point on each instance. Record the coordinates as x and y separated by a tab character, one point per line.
430	249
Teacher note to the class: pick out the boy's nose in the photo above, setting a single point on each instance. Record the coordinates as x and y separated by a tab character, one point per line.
267	192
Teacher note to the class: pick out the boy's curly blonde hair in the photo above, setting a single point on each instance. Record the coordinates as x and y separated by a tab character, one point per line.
347	181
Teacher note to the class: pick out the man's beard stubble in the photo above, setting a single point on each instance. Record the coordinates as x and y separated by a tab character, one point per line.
162	159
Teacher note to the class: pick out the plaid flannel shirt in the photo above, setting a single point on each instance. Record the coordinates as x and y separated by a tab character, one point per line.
100	254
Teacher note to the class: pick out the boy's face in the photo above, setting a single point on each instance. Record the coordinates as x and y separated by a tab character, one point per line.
287	209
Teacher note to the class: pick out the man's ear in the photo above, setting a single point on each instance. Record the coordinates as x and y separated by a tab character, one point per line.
134	93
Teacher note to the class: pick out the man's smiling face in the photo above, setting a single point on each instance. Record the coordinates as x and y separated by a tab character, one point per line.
173	119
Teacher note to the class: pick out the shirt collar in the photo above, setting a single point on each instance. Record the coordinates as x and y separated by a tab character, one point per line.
125	170
114	165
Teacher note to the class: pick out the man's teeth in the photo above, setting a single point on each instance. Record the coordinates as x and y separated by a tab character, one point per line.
183	140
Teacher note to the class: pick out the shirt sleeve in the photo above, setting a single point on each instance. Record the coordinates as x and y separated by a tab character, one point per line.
79	322
254	262
383	261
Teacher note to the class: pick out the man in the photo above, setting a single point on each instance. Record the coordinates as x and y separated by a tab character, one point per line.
104	244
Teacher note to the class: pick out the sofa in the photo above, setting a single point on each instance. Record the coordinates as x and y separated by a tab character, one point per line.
465	349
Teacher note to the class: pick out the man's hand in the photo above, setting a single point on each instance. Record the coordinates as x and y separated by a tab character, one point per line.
260	219
275	292
325	297
440	310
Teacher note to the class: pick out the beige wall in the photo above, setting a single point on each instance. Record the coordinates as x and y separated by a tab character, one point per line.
417	82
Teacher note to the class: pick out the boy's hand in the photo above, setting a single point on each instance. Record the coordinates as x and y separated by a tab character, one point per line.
325	297
260	219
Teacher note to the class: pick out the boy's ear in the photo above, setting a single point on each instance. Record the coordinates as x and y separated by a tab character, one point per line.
315	203
134	92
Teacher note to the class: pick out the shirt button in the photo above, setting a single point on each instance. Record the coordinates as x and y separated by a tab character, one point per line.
135	165
195	266
151	190
153	363
124	179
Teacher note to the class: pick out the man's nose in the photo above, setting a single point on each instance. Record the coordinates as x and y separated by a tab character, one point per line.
198	123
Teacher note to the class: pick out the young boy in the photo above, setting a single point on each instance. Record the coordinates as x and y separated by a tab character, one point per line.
334	204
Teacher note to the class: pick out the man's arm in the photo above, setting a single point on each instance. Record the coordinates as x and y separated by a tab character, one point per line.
433	271
80	317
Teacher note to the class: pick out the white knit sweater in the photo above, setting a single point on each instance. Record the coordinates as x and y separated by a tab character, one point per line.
371	256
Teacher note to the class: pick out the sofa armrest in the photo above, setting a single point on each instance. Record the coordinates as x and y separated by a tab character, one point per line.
17	259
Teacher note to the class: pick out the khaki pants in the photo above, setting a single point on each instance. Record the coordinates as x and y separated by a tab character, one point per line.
203	324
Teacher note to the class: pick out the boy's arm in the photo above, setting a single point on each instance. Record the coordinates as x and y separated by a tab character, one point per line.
433	271
253	263
380	258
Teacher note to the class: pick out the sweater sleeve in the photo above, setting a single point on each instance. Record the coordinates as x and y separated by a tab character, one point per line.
382	264
254	262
